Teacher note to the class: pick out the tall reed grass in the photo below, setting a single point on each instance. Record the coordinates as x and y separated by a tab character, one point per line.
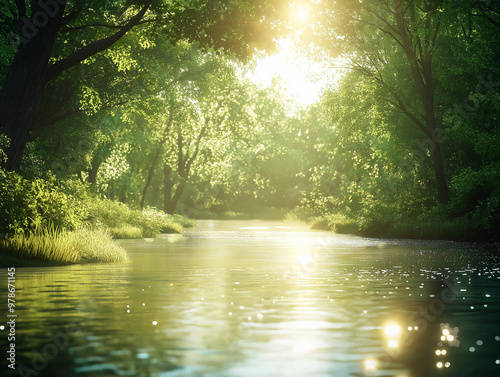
47	244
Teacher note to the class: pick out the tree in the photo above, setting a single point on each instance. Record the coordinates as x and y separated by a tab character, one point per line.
373	37
232	24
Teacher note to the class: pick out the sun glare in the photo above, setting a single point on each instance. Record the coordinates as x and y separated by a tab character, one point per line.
301	14
301	78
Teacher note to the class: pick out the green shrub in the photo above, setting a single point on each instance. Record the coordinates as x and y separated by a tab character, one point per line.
337	223
125	231
109	214
301	214
184	221
26	205
320	223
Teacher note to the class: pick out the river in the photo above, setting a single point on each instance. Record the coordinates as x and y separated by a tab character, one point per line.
258	299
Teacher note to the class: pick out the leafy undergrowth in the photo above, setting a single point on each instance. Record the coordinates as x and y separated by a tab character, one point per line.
124	222
336	223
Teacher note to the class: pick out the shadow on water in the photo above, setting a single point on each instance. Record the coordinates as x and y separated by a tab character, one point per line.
250	298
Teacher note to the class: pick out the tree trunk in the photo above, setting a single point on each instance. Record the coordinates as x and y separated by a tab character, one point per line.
442	186
177	196
168	185
170	201
423	79
98	158
94	168
431	123
25	79
150	177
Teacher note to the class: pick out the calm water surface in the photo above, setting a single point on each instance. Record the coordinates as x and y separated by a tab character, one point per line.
252	298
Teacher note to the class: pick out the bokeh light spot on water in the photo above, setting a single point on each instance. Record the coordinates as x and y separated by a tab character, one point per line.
304	260
303	347
392	330
449	334
370	364
393	343
439	364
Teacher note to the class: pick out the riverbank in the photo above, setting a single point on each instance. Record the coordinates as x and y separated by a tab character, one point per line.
455	229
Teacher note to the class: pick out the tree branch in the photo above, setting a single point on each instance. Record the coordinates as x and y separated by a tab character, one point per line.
21	12
110	26
93	48
484	15
400	105
197	144
69	17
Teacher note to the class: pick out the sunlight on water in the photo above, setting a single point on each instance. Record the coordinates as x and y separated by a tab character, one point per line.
249	298
254	227
392	330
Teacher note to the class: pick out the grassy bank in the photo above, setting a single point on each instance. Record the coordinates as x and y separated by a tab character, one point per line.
456	229
47	246
124	222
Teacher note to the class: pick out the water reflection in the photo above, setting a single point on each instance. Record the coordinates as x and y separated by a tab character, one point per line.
265	299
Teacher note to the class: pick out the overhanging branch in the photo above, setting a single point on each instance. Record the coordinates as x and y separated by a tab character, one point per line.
93	48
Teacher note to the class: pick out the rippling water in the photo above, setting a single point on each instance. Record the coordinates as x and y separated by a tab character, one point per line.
251	298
